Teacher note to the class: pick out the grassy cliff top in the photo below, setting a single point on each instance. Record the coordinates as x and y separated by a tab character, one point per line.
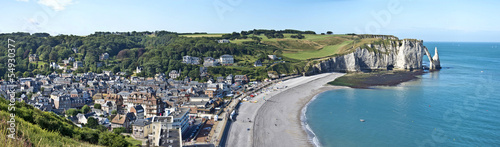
315	46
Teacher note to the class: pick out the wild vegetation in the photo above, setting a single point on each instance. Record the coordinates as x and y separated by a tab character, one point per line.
38	128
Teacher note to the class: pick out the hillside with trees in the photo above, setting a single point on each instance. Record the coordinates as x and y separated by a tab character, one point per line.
162	52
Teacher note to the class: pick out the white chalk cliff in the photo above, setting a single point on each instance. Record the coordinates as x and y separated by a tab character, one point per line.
404	54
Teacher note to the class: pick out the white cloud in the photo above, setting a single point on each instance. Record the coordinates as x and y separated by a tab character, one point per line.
57	5
23	0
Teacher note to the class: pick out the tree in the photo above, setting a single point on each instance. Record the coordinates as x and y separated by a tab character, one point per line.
329	32
97	106
111	139
85	109
92	123
114	112
119	130
71	112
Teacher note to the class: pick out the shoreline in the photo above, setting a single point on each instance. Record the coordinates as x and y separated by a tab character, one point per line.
303	118
303	121
285	125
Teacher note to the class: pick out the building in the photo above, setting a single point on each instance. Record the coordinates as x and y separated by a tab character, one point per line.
203	72
163	134
229	79
190	60
138	69
257	63
61	101
272	57
54	65
209	61
138	111
104	56
226	60
116	103
125	121
33	58
152	105
180	119
141	128
223	41
77	64
174	74
243	79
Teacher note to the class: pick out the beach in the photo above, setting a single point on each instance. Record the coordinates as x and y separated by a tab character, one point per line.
273	118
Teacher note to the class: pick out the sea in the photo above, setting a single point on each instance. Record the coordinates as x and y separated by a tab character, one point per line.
456	106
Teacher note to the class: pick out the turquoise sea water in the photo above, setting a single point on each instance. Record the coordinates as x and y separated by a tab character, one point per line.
457	106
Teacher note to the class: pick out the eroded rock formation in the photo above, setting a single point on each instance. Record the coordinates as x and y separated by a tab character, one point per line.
397	54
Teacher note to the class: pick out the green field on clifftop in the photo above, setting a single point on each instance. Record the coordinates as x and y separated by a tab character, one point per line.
315	46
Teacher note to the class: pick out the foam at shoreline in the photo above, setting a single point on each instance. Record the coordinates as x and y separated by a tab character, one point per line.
303	121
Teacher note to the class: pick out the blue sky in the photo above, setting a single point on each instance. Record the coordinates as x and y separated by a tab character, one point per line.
429	20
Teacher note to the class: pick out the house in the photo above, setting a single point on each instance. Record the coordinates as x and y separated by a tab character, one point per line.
190	60
138	111
33	58
272	57
81	118
54	65
77	64
257	63
174	74
125	121
117	102
223	41
104	56
141	128
209	61
62	101
77	102
203	71
152	105
226	59
210	93
241	79
220	79
138	69
229	79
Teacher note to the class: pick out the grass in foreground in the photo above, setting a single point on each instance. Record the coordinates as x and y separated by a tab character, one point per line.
133	141
28	134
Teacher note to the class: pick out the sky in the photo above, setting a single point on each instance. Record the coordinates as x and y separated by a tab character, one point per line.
428	20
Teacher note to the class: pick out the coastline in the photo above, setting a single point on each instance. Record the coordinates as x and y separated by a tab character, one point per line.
285	126
303	121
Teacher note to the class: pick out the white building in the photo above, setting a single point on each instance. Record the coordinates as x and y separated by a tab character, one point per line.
77	64
104	56
138	69
190	60
223	41
209	61
226	59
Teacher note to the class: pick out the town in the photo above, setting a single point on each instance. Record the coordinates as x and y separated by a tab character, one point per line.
159	111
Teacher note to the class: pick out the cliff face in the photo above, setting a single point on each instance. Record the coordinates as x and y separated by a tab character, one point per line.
397	54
